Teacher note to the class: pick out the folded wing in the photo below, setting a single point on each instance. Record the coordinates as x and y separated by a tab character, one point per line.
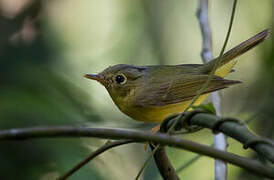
181	88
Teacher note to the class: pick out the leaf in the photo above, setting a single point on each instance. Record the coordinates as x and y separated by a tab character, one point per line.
209	107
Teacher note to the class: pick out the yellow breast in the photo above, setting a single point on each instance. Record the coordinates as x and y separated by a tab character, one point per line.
158	114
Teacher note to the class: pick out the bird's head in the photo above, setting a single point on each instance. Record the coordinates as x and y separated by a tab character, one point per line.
120	80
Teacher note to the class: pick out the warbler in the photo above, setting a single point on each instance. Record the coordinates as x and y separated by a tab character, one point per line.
152	93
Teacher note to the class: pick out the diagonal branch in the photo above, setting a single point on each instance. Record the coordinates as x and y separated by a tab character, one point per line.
165	167
108	145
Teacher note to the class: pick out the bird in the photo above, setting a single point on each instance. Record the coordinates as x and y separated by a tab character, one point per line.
153	93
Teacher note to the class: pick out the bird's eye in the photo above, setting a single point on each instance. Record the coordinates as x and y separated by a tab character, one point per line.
120	79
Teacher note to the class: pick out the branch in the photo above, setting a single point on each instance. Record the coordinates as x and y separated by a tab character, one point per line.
203	19
237	131
161	159
142	136
188	163
165	167
108	145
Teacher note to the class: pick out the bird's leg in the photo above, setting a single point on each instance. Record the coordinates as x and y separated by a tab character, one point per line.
153	131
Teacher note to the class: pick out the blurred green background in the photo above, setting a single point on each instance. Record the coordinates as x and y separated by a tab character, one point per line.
47	46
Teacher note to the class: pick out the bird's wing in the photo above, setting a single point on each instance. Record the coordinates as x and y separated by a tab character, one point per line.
180	88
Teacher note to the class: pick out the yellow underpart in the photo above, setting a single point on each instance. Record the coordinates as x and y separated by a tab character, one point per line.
158	114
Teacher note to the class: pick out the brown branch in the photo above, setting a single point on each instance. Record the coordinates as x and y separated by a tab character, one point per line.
141	136
164	166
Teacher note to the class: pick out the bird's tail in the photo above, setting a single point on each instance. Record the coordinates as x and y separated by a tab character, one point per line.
225	64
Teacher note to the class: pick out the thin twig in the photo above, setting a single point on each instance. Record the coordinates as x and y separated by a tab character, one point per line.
144	136
205	85
220	140
145	164
229	29
108	145
189	163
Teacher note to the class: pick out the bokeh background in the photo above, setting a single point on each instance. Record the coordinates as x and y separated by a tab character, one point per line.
47	46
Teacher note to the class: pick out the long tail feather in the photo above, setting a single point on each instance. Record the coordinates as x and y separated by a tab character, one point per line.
237	51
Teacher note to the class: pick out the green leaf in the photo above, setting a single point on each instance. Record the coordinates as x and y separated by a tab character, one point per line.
209	107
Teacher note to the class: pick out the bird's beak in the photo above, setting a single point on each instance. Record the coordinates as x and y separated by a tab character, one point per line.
93	77
96	77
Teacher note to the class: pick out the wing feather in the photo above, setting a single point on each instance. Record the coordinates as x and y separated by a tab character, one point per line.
181	88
